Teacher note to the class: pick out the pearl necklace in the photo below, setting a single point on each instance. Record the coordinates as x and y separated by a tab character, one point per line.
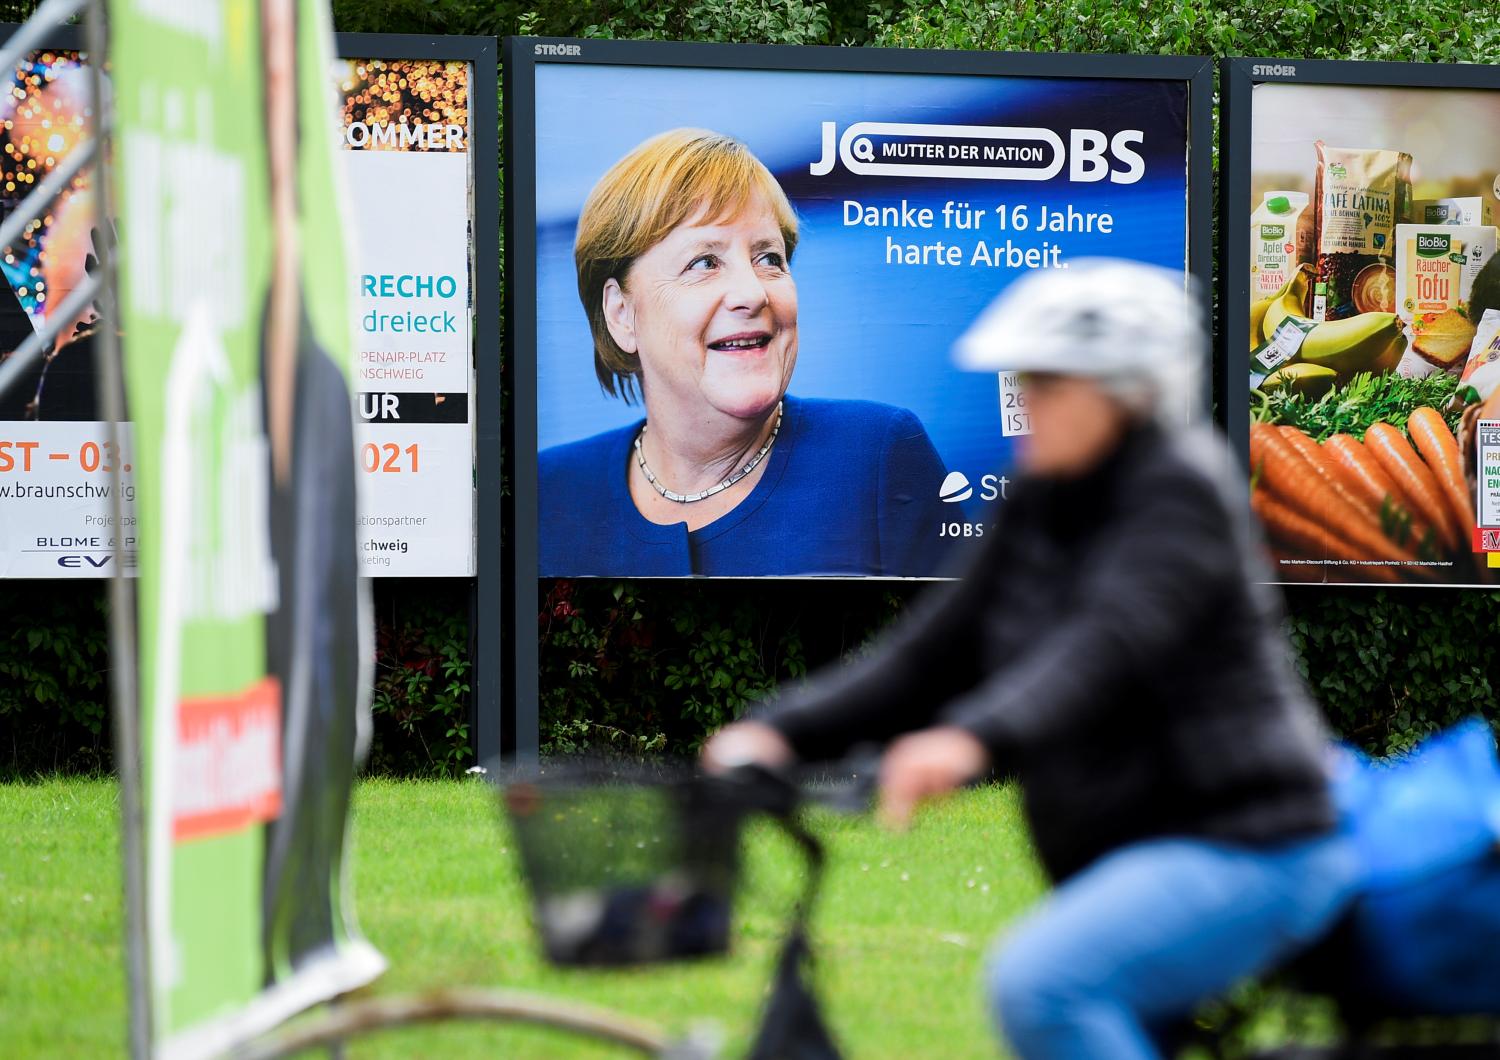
688	498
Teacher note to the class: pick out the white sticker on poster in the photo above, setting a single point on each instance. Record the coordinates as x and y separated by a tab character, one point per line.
1014	419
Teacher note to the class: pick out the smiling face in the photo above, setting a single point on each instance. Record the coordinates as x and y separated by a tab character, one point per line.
711	312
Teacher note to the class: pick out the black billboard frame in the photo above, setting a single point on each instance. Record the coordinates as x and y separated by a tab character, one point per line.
487	589
520	58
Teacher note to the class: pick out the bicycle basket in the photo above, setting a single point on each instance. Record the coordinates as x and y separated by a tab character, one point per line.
626	865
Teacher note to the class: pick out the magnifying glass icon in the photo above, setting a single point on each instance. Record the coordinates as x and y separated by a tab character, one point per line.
863	150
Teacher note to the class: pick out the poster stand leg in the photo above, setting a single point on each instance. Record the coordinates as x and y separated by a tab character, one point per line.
122	632
341	1022
489	630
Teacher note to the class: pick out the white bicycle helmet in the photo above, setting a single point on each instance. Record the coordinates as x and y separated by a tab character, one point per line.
1136	328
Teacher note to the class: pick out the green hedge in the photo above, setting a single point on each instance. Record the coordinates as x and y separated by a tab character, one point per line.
1392	666
1406	30
652	666
54	677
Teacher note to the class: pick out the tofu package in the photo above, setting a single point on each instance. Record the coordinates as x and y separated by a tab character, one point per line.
1435	270
1467	210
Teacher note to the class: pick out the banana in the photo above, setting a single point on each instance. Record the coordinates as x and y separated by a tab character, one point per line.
1370	342
1290	301
1258	319
1301	378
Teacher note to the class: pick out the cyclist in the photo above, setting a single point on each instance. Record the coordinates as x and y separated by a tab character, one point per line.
1114	648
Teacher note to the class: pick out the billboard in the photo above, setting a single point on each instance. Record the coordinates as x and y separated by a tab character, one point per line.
406	140
407	149
255	629
1362	308
750	265
56	459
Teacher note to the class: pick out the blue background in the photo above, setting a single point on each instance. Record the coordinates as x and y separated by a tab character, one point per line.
867	329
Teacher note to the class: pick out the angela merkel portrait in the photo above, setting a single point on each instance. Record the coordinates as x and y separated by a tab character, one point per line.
684	253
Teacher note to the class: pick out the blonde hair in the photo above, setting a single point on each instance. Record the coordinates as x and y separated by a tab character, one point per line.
664	182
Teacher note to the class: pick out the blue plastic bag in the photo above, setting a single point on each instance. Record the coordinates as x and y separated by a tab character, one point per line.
1427	827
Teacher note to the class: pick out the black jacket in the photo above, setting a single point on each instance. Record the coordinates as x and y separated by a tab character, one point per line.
1115	647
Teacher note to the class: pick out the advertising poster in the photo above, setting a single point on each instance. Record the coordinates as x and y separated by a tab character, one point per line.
406	140
749	281
1374	329
405	134
253	621
56	461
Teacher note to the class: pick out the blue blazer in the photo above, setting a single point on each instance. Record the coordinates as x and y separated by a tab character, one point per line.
851	488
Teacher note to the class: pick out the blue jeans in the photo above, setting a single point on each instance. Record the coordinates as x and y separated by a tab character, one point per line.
1138	939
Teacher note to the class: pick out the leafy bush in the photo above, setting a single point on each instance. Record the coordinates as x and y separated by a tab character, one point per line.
1390	667
644	667
54	678
1406	30
54	694
423	660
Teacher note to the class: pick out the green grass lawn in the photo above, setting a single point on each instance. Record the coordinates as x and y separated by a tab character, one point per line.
902	928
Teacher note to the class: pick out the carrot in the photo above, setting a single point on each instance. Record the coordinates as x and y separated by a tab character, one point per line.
1332	472
1370	480
1417	484
1295	482
1385	513
1289	527
1439	448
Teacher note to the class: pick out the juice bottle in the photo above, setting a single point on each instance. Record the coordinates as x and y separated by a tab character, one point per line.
1280	240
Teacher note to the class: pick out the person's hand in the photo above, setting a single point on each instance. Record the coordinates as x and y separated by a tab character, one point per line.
746	743
925	764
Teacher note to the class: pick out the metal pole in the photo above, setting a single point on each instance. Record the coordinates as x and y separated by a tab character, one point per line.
489	626
363	1016
111	389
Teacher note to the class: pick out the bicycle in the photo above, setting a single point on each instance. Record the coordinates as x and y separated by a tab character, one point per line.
591	908
629	864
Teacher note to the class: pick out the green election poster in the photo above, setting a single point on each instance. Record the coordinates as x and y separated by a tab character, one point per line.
253	624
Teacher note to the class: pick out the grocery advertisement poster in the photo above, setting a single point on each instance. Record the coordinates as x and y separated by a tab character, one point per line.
1374	330
405	140
749	282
